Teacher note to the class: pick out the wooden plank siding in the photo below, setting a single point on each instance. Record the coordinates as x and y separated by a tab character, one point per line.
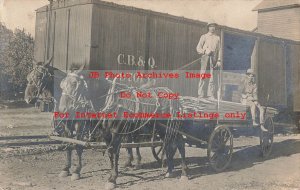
116	32
283	23
271	74
79	42
40	36
173	43
60	43
95	33
294	60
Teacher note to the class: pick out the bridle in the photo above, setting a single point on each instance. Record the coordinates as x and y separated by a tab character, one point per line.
41	84
78	100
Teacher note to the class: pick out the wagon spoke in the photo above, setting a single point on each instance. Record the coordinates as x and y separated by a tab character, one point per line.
214	157
227	135
226	150
159	150
215	144
213	149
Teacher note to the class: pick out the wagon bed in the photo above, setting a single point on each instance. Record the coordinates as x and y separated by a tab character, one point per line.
193	104
220	139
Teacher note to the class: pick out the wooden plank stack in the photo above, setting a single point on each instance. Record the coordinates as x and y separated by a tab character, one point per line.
192	104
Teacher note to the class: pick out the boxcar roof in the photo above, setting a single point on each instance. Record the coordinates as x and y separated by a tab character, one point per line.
276	4
64	4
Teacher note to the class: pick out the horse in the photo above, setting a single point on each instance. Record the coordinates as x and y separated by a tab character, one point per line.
41	84
44	85
113	130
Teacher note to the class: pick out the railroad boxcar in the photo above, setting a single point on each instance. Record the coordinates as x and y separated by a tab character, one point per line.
107	36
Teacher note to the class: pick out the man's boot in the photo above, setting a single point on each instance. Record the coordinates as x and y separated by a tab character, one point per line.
255	124
262	127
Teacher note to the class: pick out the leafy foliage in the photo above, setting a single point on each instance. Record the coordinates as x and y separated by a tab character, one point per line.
16	62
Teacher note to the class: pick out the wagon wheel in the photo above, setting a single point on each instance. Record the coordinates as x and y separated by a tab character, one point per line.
220	148
266	137
156	150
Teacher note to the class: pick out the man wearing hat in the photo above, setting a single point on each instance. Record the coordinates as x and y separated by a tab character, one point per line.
249	97
209	49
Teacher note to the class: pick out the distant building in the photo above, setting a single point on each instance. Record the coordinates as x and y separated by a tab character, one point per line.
280	18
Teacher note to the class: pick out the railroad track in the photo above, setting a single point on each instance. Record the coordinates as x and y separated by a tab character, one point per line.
35	140
32	140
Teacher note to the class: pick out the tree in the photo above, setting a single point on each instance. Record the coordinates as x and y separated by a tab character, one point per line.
5	36
17	61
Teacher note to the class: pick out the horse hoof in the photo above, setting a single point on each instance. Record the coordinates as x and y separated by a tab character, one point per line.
128	165
137	167
75	176
184	178
109	186
63	174
169	175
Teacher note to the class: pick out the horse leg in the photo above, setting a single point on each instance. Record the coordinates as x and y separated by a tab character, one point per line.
129	153
181	149
129	158
138	159
138	153
113	153
76	173
170	152
66	170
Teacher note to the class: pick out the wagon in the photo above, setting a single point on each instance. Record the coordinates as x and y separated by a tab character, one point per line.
219	137
218	140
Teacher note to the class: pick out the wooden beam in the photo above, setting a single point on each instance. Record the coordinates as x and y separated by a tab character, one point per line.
69	140
102	145
185	134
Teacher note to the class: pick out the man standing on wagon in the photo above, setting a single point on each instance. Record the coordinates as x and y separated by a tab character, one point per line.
209	49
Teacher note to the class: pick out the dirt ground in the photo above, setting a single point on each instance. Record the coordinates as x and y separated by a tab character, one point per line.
23	168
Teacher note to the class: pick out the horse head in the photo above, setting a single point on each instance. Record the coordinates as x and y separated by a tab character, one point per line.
40	80
74	91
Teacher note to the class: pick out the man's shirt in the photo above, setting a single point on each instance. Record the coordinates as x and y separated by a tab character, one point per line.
250	91
209	42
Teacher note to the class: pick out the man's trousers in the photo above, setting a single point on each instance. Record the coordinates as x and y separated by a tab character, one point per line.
208	87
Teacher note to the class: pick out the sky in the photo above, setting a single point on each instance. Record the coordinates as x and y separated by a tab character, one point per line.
233	13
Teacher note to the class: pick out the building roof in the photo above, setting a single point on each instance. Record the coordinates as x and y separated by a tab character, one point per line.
276	4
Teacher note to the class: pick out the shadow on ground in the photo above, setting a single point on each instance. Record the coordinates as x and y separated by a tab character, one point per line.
199	166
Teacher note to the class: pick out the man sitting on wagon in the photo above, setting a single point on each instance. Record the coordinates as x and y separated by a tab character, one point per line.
249	97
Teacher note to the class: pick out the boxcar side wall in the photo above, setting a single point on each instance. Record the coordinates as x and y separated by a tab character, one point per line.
272	73
79	35
294	61
60	33
173	42
40	36
118	39
106	36
66	37
126	39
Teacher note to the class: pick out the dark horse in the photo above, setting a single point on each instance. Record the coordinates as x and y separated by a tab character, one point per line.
44	85
113	130
41	84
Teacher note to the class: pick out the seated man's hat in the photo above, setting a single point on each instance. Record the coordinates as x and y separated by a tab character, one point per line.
250	71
